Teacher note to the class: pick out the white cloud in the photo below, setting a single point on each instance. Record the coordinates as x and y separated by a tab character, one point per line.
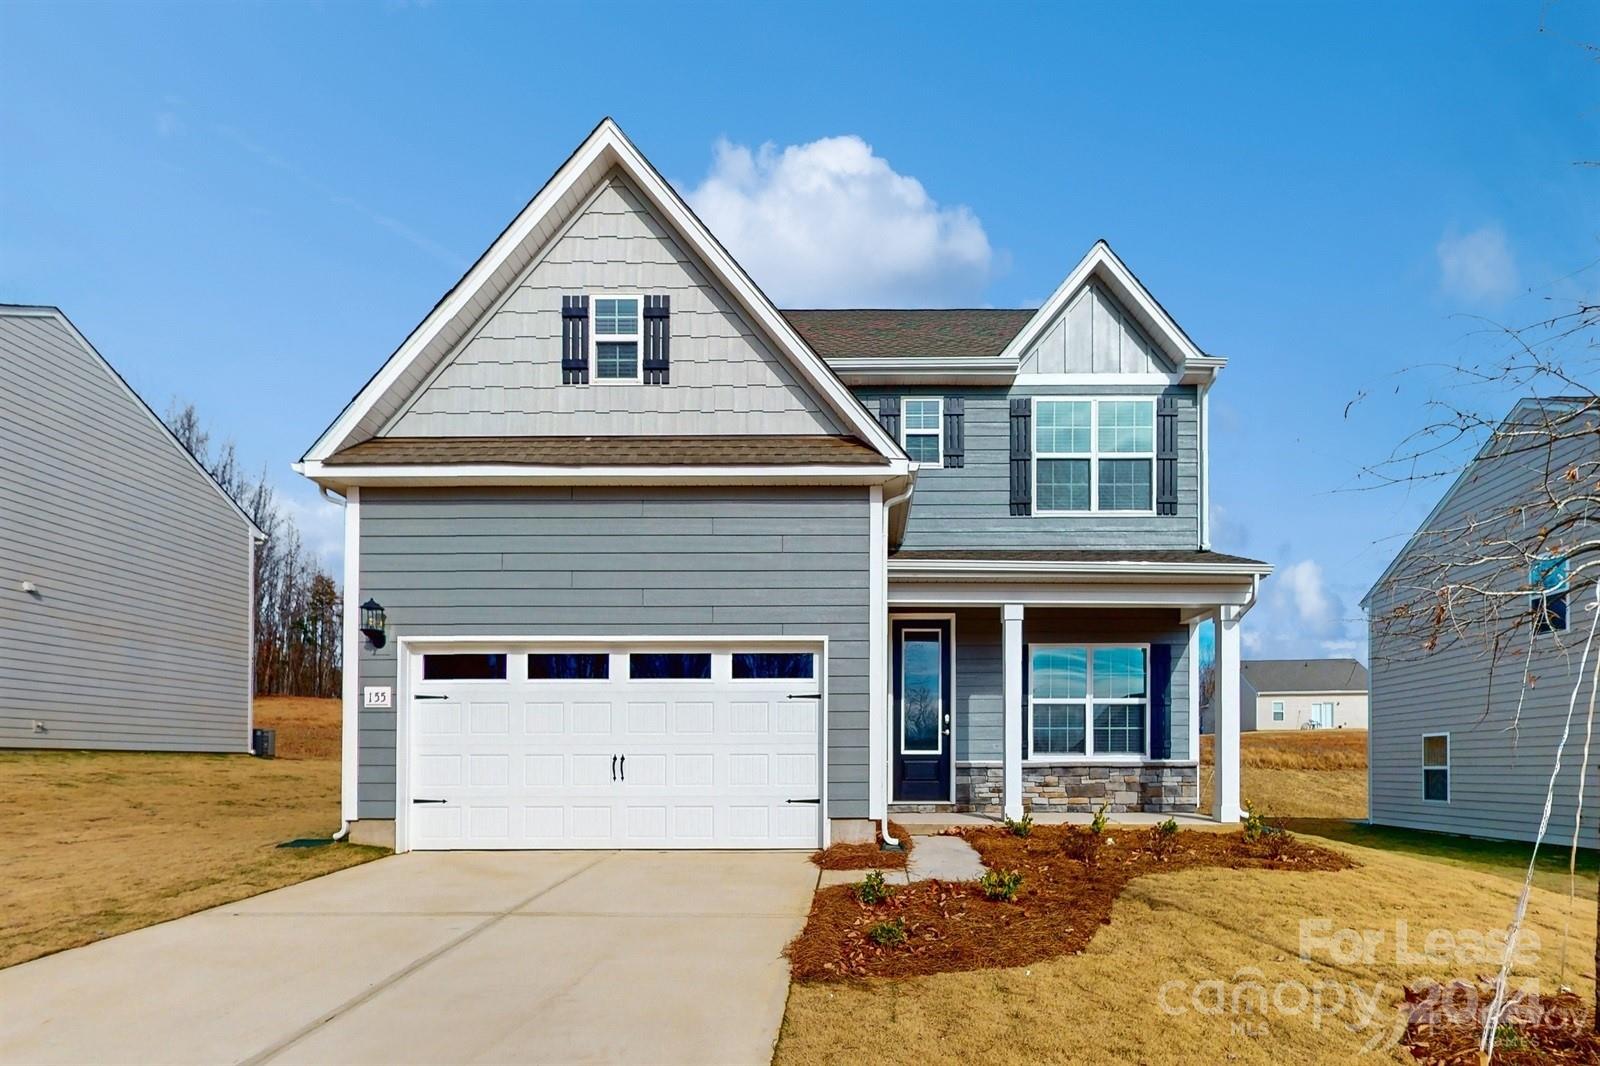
1301	593
1300	617
168	124
321	526
831	223
1477	266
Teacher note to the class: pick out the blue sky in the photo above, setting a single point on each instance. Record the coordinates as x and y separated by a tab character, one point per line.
249	206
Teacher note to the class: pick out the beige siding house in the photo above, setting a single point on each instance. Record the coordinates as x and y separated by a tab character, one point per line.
1302	694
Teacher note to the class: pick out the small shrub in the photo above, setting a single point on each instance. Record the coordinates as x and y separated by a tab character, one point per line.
1255	822
1097	824
1163	839
873	889
1022	827
1001	884
887	934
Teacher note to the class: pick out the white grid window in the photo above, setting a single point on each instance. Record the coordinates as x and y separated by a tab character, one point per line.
616	338
1094	455
1088	700
922	429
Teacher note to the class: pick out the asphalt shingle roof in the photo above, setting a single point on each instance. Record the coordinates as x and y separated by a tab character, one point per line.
727	450
1305	675
913	333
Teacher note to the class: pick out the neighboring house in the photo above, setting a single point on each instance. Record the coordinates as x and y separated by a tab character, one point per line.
1468	707
1302	694
126	573
642	561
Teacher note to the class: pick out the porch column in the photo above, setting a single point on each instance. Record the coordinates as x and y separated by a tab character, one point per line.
1225	774
1011	644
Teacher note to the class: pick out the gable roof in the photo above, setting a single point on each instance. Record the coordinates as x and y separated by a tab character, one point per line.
52	312
724	450
606	149
908	334
1107	267
1304	675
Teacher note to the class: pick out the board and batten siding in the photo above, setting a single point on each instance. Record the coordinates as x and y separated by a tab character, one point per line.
1498	775
138	636
1093	335
979	666
970	506
695	562
504	378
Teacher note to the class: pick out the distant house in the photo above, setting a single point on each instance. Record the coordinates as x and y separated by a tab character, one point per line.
1477	633
126	573
1302	694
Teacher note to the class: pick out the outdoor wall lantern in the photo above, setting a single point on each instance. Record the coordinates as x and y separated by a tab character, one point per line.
373	623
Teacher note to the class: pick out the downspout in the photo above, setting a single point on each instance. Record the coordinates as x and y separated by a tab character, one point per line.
344	826
888	508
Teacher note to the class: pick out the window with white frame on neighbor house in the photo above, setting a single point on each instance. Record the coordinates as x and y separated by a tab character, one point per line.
1277	710
616	338
1548	577
1094	455
922	432
1436	767
1087	700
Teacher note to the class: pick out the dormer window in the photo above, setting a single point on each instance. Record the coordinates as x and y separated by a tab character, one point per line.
616	338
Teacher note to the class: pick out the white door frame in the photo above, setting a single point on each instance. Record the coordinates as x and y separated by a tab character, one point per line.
406	647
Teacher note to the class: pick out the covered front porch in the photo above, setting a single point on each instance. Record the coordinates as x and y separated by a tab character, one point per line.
1055	684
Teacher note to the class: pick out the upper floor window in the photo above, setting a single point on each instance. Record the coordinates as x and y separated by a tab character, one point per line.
923	432
1094	455
1549	580
616	338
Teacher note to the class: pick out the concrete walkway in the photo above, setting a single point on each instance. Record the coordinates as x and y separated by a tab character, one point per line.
514	957
943	858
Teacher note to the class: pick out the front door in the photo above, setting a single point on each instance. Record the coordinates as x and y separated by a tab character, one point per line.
922	707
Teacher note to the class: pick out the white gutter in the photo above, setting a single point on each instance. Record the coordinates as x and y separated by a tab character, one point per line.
344	824
889	505
338	476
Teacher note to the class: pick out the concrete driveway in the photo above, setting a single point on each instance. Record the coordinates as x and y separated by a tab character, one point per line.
545	957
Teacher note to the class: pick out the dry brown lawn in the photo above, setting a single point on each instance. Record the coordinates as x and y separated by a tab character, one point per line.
98	843
1240	927
1306	773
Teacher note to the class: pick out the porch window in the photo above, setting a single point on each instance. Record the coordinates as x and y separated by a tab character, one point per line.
923	436
1094	455
1088	700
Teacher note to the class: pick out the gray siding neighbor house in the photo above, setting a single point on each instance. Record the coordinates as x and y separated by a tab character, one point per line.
1469	702
126	573
635	559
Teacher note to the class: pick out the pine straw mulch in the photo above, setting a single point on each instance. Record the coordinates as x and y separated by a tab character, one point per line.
952	926
866	856
1444	1022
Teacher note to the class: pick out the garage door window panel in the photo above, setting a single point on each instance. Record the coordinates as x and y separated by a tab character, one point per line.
569	666
760	665
463	666
669	666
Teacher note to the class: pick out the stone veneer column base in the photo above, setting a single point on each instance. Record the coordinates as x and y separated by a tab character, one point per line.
1074	787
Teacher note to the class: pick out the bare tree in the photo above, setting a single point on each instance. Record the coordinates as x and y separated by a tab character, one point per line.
297	605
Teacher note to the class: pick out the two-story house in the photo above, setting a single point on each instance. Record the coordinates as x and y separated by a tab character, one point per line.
635	559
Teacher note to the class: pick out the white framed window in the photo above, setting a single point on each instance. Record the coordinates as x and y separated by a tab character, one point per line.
616	337
1088	701
1094	455
1436	767
1277	710
922	429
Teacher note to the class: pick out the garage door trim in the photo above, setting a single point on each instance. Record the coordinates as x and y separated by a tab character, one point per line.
408	646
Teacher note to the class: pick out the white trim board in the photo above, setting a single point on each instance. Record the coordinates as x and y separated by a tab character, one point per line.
605	149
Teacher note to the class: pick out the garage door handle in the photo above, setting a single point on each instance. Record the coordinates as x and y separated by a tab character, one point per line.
429	801
624	767
613	767
803	801
424	696
805	696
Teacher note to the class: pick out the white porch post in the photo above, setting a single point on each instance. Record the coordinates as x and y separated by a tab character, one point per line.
1225	774
1011	624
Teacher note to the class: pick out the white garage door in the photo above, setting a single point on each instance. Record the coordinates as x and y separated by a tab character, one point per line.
529	746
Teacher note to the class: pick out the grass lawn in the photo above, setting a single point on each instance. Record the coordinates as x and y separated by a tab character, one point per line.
98	843
1171	933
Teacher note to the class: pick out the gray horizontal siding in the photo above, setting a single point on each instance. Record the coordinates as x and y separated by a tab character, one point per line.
980	677
139	636
505	377
970	506
691	561
1498	774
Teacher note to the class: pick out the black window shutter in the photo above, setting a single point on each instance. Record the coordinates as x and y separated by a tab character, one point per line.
657	340
1022	456
889	415
1161	701
955	445
574	340
1167	456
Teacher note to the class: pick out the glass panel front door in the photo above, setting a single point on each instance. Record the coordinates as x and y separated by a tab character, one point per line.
922	709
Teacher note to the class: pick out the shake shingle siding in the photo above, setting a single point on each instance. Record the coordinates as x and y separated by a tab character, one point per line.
138	634
1498	774
697	562
969	506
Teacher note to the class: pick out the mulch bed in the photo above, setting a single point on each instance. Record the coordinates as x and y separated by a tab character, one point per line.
1444	1023
1063	901
866	856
